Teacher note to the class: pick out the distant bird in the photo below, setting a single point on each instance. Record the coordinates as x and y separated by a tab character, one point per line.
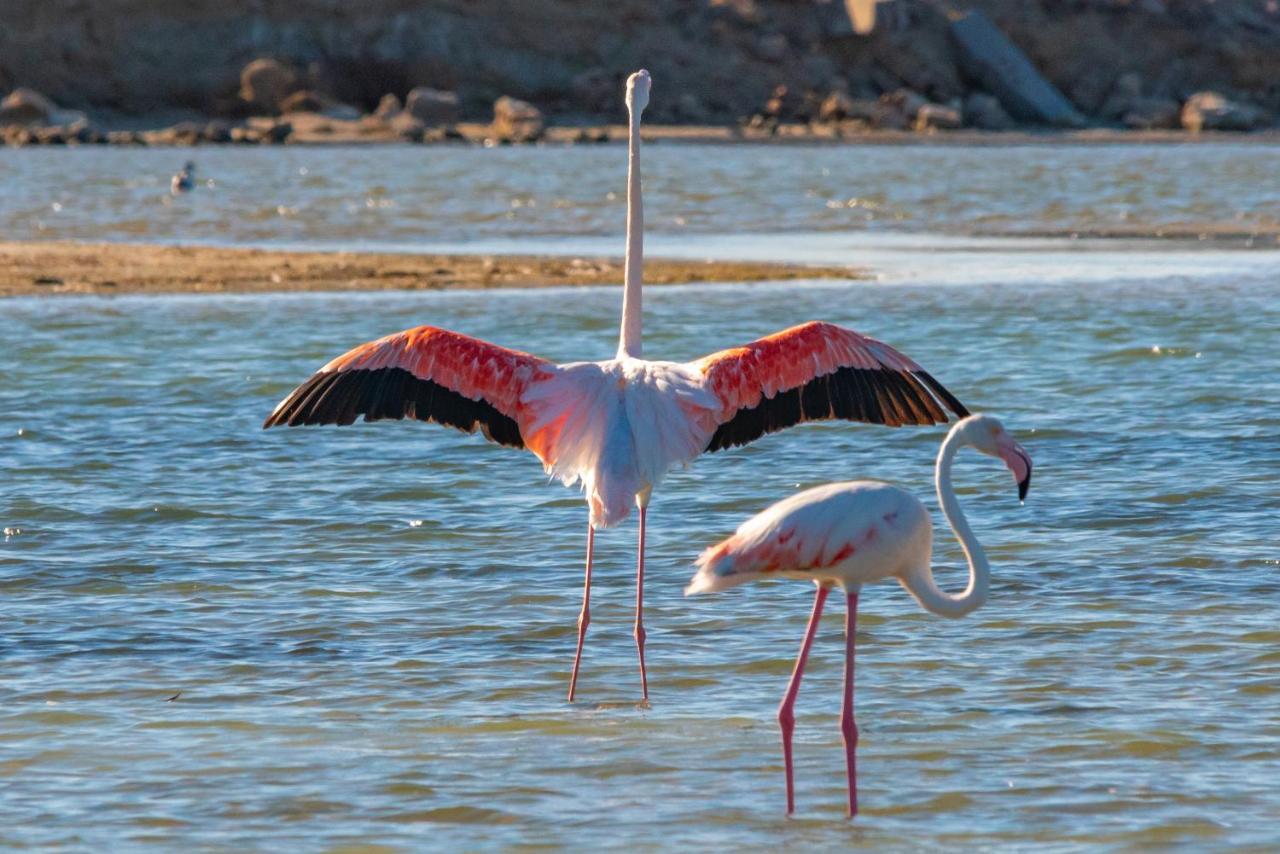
618	426
185	180
850	534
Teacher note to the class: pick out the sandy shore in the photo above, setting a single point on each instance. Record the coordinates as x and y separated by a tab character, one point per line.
64	268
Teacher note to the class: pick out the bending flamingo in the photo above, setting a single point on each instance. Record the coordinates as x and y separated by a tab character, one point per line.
850	534
618	426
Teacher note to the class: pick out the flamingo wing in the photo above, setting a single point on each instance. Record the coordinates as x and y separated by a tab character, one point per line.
425	373
818	371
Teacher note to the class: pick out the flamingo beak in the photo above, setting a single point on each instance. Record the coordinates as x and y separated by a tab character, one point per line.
1019	462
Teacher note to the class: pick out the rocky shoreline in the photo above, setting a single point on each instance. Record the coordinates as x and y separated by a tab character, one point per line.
58	268
485	73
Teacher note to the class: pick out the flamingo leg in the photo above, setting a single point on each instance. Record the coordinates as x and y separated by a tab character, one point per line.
639	630
584	619
848	728
786	711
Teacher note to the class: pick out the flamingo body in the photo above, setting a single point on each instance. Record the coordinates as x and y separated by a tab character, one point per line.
846	534
855	533
618	426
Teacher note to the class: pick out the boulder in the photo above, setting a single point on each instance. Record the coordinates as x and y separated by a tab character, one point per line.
432	107
277	132
407	127
388	107
124	137
25	107
987	56
245	136
1212	111
984	112
897	110
836	107
937	117
516	120
1151	114
265	83
218	130
303	101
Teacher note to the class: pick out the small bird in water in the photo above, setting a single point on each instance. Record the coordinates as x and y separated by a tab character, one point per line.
850	534
185	180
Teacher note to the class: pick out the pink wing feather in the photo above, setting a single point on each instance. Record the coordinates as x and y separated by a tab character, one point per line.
817	371
425	373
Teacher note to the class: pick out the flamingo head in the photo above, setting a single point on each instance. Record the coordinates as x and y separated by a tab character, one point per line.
987	435
638	85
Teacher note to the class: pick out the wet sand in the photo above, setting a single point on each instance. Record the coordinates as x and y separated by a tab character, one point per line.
33	268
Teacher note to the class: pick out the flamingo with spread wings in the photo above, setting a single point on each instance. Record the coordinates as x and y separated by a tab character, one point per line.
618	426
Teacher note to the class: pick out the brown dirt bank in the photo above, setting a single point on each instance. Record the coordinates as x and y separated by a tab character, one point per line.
80	268
715	61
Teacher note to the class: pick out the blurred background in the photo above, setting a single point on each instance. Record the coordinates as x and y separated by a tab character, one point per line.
408	67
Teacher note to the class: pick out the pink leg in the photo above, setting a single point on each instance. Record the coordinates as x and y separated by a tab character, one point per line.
786	711
639	631
849	729
585	617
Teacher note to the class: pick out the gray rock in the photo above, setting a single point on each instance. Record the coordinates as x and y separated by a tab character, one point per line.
984	112
302	101
937	117
407	127
836	107
1212	111
988	56
265	83
516	120
26	106
218	130
432	107
1151	114
388	107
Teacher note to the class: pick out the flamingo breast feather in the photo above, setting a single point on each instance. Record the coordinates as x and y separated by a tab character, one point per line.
617	427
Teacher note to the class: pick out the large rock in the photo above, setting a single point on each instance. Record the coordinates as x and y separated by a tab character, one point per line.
302	101
996	63
265	83
388	108
984	112
1144	113
432	107
25	107
932	117
1211	111
516	120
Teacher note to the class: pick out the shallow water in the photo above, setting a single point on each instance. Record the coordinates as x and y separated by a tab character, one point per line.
409	194
224	638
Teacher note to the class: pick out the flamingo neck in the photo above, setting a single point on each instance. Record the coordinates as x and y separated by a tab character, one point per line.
926	590
629	342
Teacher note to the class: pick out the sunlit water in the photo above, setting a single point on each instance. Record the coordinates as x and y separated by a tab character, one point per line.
409	194
304	639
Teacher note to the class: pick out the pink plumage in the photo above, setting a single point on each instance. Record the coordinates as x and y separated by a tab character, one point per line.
849	534
618	426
